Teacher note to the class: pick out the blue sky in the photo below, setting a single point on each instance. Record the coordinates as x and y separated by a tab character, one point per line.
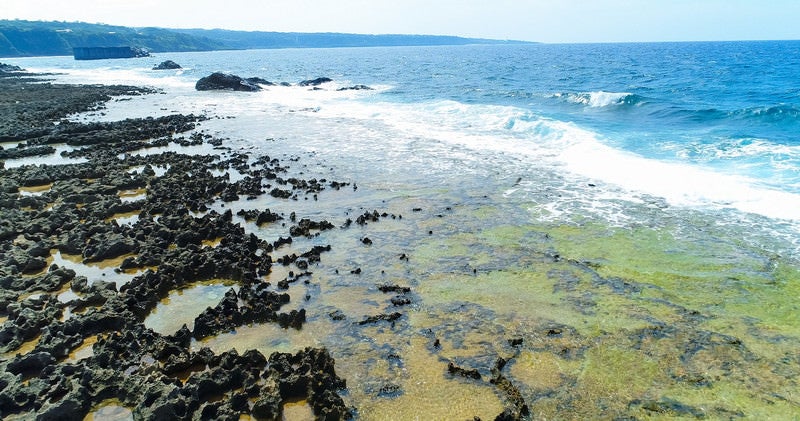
531	20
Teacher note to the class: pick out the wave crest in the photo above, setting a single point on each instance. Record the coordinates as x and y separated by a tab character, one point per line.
782	112
600	99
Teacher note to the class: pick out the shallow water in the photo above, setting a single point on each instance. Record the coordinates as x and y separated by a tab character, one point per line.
105	270
110	410
588	301
25	348
132	195
184	305
35	190
126	218
52	159
82	351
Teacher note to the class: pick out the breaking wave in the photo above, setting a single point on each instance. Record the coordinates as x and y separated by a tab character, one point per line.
600	99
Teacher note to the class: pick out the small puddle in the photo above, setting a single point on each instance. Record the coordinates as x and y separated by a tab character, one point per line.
268	338
102	270
83	351
231	174
158	170
35	190
23	349
109	410
52	159
183	306
132	195
125	218
203	149
68	295
12	144
298	410
212	243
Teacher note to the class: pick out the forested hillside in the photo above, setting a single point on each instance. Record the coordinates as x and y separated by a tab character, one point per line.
25	38
20	38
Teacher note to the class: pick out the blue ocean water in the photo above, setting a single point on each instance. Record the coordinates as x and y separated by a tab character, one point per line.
713	124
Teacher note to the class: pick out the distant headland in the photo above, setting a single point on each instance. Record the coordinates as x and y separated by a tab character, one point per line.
20	38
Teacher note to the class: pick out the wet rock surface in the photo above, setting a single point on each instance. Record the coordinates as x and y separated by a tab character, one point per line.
9	68
50	311
30	110
315	82
167	65
225	82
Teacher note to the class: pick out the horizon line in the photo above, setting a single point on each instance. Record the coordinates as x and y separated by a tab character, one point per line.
466	37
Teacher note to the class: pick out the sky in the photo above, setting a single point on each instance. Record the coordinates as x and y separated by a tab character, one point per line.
551	21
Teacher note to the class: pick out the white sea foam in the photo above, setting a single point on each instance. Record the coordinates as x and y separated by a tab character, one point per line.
498	129
596	99
117	76
582	152
680	184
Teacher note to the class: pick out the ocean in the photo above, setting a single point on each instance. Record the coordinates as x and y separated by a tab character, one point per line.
672	167
703	125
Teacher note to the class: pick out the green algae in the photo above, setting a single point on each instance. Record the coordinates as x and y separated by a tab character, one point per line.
664	326
725	281
429	393
594	321
615	376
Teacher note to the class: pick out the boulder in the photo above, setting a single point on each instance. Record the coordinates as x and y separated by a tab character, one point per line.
225	82
10	68
259	81
356	88
167	65
315	82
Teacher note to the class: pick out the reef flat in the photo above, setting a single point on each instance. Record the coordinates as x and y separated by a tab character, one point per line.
153	270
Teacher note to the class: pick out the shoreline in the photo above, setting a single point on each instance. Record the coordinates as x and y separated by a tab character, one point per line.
531	319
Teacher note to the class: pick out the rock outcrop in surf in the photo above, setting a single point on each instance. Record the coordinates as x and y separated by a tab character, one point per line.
167	65
219	81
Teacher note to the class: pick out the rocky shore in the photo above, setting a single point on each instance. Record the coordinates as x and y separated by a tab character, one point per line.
49	312
440	305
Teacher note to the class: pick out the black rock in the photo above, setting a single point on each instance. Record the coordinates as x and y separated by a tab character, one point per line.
400	301
266	217
375	319
10	68
280	194
336	315
315	82
463	372
356	88
393	288
259	81
28	363
167	65
305	226
225	82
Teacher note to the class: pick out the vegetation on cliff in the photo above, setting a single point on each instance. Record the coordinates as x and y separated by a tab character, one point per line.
19	38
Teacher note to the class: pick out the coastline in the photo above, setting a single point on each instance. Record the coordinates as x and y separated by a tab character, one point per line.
570	318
